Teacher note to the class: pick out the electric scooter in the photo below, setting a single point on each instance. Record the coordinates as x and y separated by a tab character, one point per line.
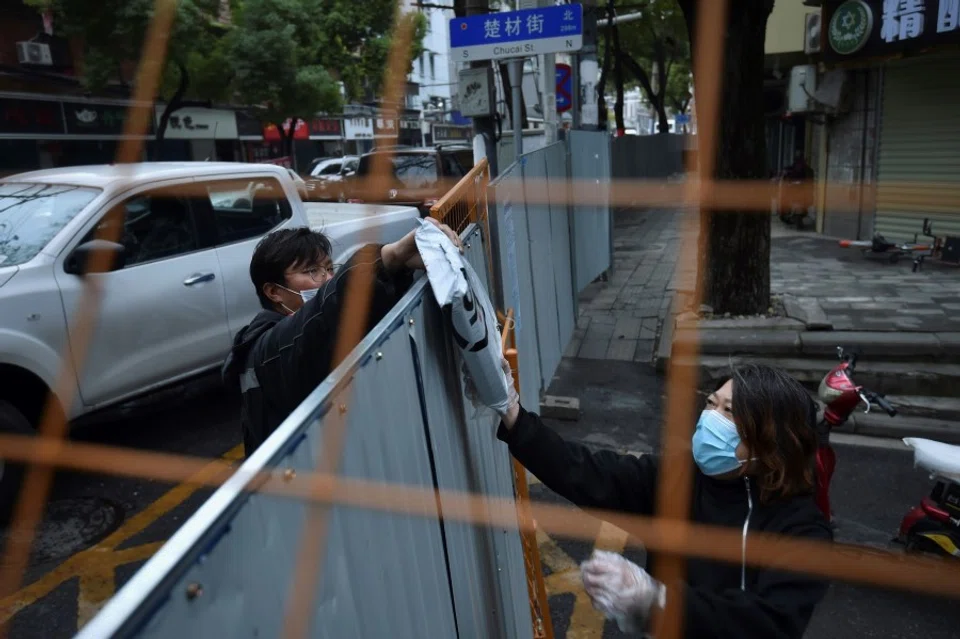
840	395
934	525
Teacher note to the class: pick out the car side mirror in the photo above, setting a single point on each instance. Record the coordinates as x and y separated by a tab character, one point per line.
79	261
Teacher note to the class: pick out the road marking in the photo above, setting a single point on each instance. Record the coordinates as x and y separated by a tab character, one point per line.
96	566
585	621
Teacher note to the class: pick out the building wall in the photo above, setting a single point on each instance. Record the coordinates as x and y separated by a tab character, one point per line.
432	70
785	26
851	156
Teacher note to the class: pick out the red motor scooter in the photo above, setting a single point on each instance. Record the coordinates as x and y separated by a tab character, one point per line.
840	396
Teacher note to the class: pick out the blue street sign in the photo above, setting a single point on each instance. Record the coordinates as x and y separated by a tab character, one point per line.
682	118
517	34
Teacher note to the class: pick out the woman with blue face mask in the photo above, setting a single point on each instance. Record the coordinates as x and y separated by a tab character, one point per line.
753	447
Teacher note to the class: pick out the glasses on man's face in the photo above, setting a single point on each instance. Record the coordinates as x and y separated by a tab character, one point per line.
320	274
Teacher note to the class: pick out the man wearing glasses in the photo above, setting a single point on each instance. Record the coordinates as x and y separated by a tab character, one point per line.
287	350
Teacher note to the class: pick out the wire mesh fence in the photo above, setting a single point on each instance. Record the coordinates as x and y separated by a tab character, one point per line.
669	532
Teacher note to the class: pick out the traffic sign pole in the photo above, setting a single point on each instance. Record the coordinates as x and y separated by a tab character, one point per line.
516	83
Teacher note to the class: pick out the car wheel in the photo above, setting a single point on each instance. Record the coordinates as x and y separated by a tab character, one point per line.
12	422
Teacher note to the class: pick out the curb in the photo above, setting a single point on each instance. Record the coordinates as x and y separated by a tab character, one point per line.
888	377
943	347
882	425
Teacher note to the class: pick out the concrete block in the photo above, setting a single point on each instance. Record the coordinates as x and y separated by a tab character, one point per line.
556	407
876	345
665	344
741	341
808	311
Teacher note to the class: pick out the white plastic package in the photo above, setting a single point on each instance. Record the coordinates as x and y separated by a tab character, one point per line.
470	314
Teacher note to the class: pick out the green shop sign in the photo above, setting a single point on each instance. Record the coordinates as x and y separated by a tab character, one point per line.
850	27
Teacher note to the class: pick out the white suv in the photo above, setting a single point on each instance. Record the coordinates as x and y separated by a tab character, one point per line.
179	288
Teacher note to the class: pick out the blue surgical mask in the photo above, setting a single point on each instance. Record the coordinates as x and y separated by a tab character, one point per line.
715	444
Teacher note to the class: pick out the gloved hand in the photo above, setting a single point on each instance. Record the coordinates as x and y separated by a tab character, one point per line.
621	589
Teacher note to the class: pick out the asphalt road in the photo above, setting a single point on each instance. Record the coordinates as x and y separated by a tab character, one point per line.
100	529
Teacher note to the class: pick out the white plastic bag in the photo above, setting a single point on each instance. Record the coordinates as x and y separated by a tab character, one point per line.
470	315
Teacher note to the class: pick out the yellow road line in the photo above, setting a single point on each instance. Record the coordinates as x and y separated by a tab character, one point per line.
95	566
585	621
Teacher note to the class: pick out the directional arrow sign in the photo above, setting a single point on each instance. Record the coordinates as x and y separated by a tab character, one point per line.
564	87
517	34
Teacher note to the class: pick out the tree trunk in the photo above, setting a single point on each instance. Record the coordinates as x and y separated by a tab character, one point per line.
175	102
602	84
617	73
663	124
656	100
287	137
735	245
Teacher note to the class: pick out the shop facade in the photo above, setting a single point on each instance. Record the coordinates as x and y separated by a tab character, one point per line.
39	131
901	61
198	134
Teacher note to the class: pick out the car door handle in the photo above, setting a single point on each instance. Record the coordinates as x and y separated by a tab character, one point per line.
197	278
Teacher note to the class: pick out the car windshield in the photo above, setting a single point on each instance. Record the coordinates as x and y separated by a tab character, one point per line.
32	214
413	170
327	167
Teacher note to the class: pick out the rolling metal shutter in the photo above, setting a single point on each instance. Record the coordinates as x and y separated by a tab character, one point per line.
919	156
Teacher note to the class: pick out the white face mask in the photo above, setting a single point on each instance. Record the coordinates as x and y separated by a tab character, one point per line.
306	295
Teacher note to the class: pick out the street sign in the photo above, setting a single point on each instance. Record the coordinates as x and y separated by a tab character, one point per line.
682	118
517	34
564	87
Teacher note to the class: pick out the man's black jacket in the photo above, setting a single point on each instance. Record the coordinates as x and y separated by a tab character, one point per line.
722	601
277	360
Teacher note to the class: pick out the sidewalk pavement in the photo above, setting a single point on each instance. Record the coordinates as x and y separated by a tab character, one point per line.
620	319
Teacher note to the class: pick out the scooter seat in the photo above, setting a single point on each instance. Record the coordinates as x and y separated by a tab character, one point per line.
936	457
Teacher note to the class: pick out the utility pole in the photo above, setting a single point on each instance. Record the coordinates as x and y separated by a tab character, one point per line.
586	71
484	127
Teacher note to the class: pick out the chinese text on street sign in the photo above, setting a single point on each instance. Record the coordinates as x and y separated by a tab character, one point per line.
517	34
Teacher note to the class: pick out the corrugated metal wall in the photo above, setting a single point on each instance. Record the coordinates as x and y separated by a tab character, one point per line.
919	160
384	574
647	156
547	251
851	153
592	224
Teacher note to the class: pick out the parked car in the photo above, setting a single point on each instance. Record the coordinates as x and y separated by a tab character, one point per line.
418	176
327	178
178	290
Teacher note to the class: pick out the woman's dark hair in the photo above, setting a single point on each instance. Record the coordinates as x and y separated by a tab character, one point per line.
776	419
283	249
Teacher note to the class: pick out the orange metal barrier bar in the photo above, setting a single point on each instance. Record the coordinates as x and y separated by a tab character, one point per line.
536	589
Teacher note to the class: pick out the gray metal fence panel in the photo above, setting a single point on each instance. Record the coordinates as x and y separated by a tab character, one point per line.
647	156
384	574
508	220
560	221
534	168
592	226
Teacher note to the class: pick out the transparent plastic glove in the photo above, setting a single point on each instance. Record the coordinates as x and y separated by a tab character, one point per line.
621	589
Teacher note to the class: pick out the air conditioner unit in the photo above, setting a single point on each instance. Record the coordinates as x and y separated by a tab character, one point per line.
802	87
34	53
811	33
